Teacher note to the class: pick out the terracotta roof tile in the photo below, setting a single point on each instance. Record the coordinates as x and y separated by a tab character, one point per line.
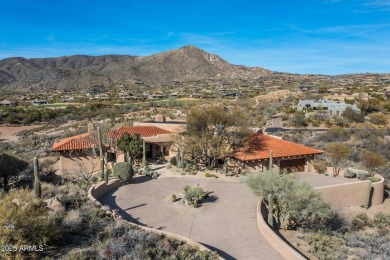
144	131
259	146
86	140
78	142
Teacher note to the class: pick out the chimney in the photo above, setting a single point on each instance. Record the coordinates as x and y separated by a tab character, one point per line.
160	118
90	128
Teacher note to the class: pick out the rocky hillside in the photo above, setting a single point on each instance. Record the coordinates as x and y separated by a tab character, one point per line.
80	72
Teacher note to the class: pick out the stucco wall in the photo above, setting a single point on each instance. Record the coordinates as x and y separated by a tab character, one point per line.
78	162
378	189
354	194
276	242
95	192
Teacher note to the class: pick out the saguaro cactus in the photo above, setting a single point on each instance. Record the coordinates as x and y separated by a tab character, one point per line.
143	154
103	172
225	167
37	183
270	210
270	161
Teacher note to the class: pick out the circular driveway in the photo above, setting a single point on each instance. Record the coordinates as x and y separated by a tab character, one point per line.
225	223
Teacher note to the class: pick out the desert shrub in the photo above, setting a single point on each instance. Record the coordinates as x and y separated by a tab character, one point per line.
373	179
353	116
71	195
381	220
298	120
320	166
96	218
26	221
207	174
127	242
73	221
336	134
298	205
123	171
173	161
359	222
193	193
325	246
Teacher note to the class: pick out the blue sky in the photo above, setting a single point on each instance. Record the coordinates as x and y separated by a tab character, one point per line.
326	37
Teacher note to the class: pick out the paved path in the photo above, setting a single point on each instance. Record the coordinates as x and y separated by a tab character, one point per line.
225	223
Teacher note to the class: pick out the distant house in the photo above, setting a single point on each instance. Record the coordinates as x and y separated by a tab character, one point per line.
37	102
78	153
156	96
6	103
286	156
333	108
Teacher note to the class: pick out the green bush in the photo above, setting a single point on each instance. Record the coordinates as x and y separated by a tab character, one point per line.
127	242
26	221
173	161
320	166
298	205
373	179
123	171
210	175
381	220
193	193
359	222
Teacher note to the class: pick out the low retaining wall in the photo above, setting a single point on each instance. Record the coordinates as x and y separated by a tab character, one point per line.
354	193
378	189
95	192
275	241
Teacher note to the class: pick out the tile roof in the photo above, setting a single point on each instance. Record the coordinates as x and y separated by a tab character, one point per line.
259	146
144	131
87	140
78	142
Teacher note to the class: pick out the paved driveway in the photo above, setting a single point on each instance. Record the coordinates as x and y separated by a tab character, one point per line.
225	223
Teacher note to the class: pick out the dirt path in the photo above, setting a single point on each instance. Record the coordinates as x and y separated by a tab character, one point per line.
9	132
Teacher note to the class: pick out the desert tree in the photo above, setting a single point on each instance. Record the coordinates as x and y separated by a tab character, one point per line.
371	160
214	131
337	153
353	116
9	166
131	145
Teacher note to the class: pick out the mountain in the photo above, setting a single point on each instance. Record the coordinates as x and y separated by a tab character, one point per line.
185	64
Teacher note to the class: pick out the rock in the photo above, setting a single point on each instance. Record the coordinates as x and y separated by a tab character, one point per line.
353	173
349	173
55	204
361	174
16	201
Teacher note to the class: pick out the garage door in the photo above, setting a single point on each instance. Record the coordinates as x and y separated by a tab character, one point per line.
293	165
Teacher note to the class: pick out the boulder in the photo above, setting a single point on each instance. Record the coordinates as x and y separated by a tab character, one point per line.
353	173
55	205
361	174
349	173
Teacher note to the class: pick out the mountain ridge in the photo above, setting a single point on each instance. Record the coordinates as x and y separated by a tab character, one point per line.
185	64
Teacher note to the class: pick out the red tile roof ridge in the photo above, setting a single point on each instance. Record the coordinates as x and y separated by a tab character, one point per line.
259	147
68	139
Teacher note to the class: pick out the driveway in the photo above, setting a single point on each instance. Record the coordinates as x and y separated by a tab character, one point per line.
225	223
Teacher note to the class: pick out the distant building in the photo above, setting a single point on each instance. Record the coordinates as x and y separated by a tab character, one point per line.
334	108
6	103
37	102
